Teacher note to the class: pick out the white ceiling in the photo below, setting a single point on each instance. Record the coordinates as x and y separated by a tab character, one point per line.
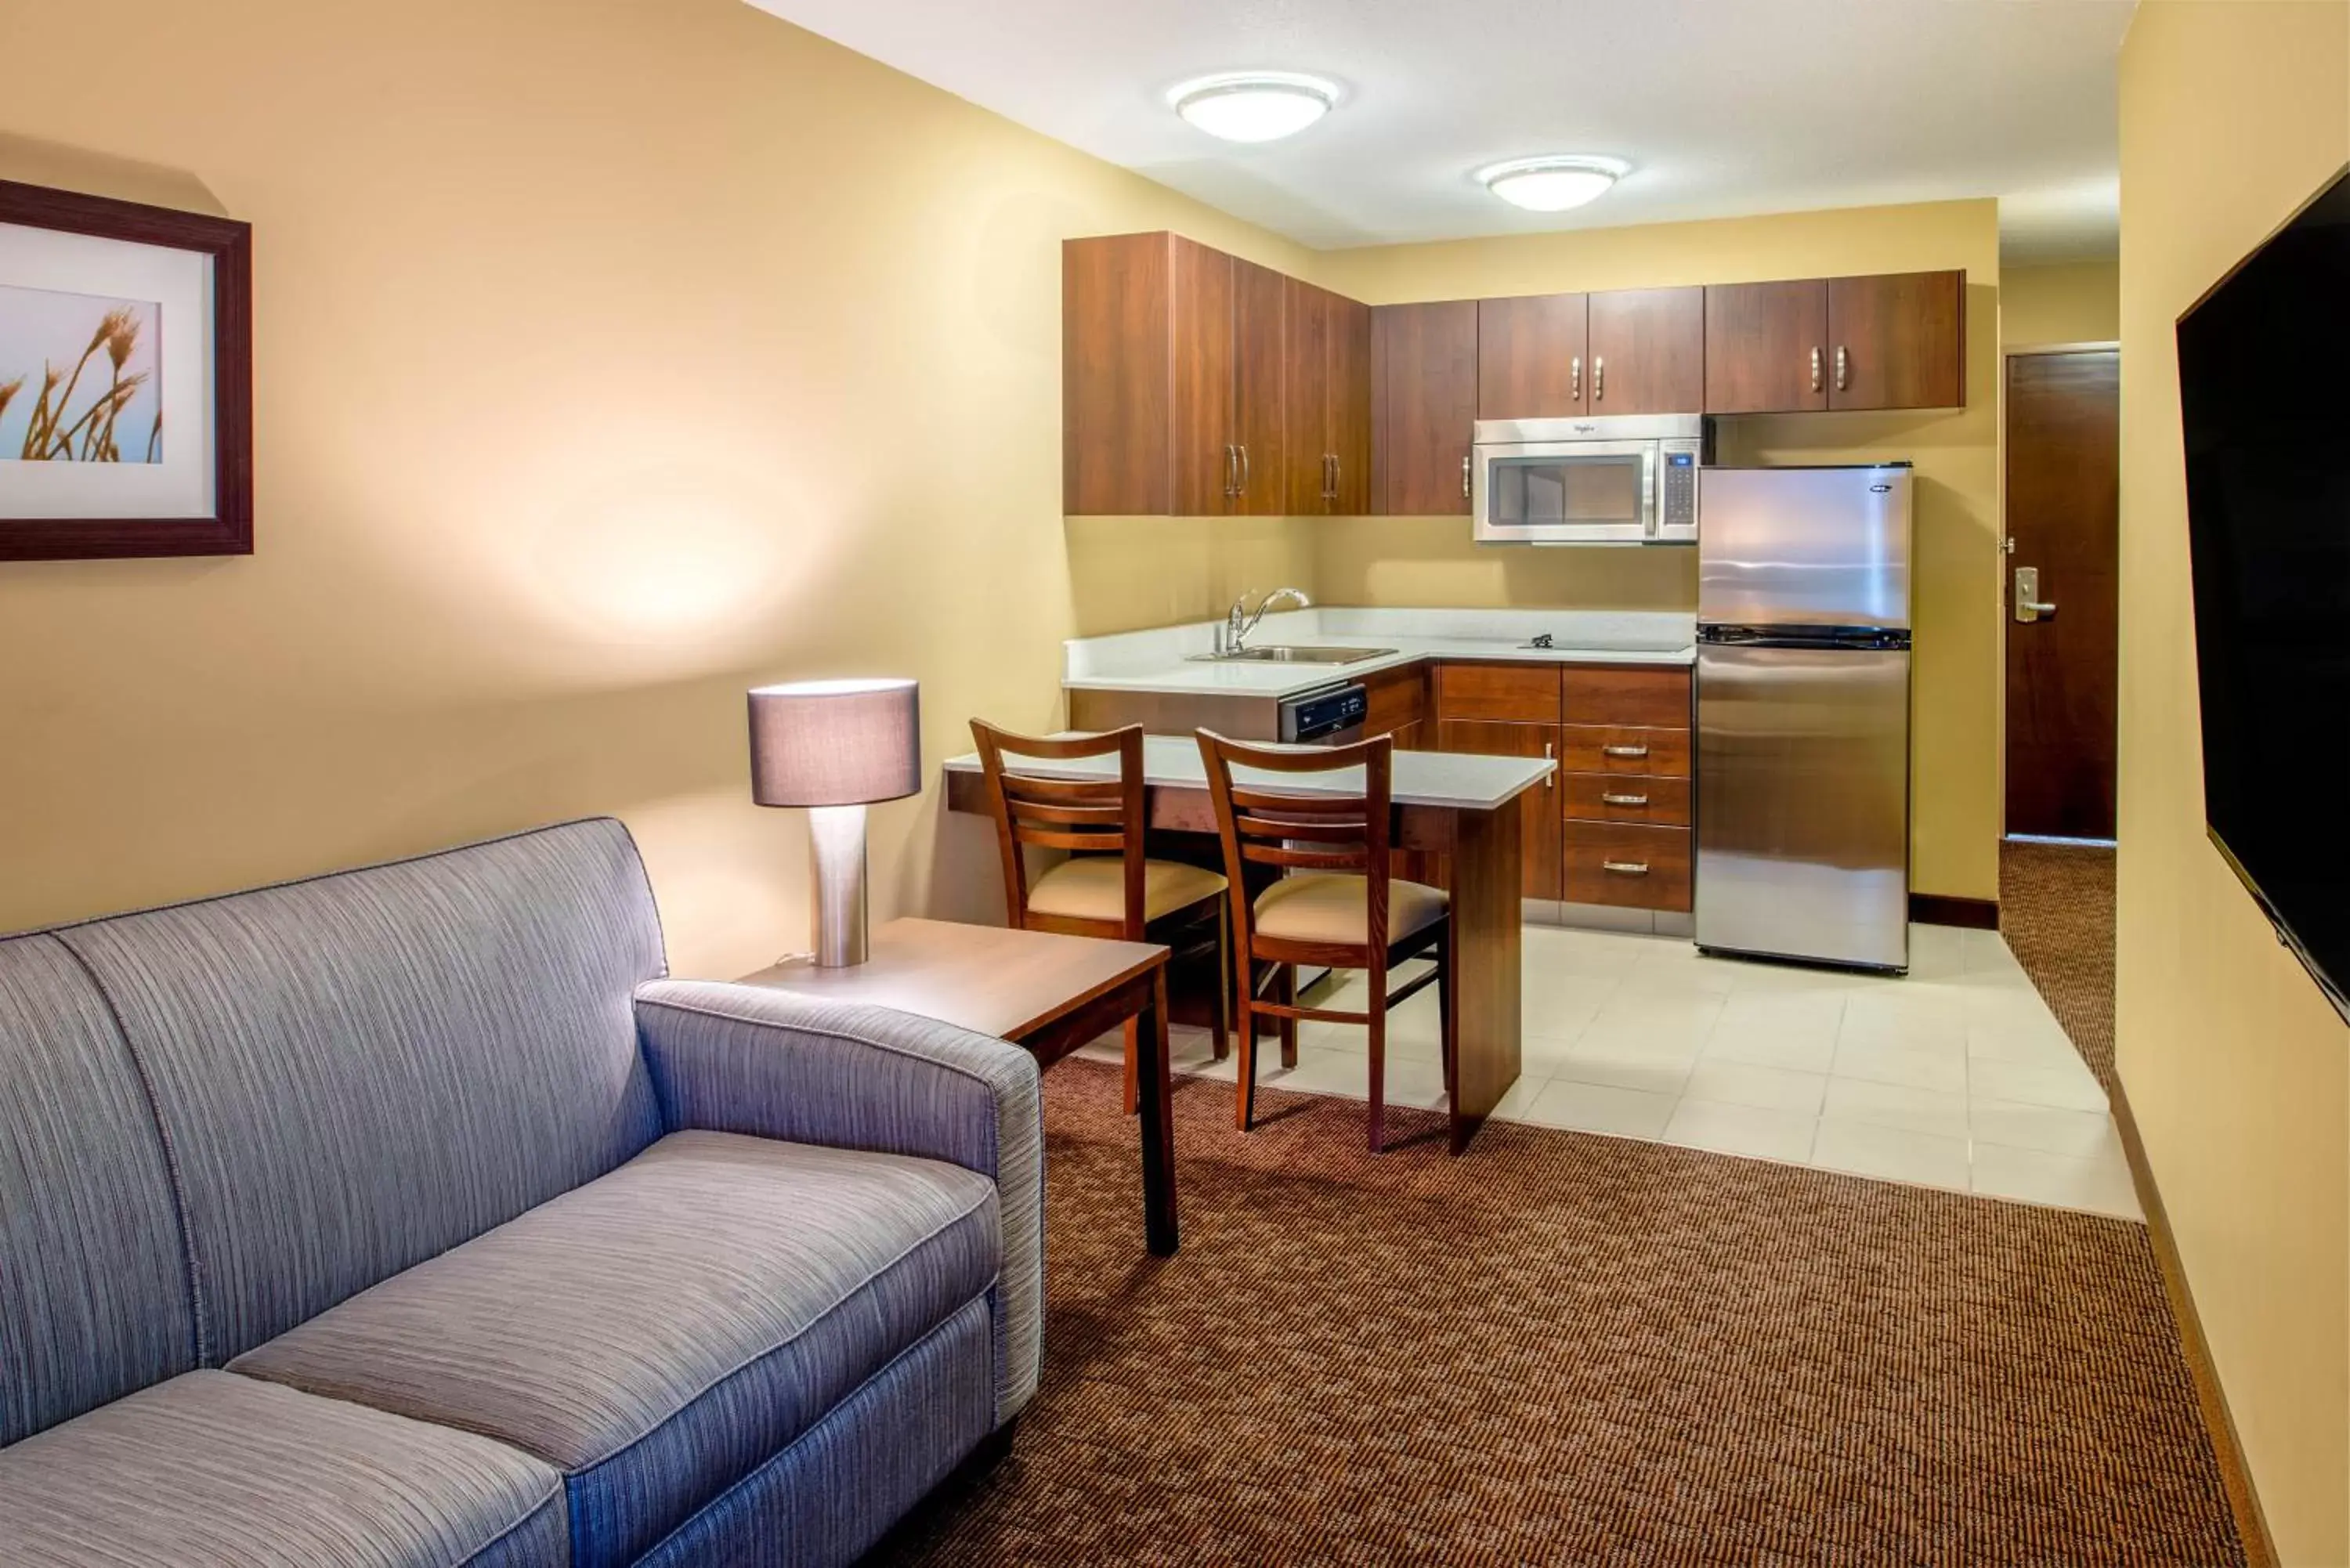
1724	106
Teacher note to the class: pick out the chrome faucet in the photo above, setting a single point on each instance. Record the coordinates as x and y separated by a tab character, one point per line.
1237	628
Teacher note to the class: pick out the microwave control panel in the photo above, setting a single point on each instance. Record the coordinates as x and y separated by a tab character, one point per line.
1677	507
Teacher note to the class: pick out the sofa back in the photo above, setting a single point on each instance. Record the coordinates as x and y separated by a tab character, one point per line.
94	1300
352	1074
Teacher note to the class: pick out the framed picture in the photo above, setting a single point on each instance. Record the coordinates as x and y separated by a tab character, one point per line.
126	380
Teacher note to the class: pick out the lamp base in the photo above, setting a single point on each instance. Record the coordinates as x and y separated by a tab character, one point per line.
836	834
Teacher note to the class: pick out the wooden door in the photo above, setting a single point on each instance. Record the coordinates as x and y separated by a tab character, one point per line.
1307	359
1428	405
1647	351
1766	347
1540	844
1257	349
1898	341
1350	404
1531	358
2063	434
1201	463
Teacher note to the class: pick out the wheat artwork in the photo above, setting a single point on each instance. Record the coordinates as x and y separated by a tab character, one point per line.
78	377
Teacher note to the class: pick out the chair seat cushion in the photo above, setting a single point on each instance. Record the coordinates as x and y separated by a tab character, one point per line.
214	1470
660	1332
1333	907
1093	887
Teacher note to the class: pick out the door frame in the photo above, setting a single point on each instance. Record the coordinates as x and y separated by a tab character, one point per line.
2006	582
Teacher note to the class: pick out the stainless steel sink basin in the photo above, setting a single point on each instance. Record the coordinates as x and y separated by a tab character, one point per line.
1276	653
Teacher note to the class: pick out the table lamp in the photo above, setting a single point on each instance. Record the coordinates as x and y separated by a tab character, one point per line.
834	747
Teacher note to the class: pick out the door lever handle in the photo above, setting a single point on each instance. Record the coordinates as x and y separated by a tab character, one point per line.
2029	606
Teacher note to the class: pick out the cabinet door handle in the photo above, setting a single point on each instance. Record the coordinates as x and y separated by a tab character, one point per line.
1574	385
1337	476
1244	472
1231	469
1464	476
1844	367
1550	779
1816	369
1622	799
1599	377
1624	750
1626	868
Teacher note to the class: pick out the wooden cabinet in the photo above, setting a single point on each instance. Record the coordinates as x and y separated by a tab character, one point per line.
1627	865
1396	700
1560	356
1424	369
1171	377
1897	341
1766	347
1656	696
1326	431
1516	692
1531	357
1624	786
1647	351
1539	834
1894	341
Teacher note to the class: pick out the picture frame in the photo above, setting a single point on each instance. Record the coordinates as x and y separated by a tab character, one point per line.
126	361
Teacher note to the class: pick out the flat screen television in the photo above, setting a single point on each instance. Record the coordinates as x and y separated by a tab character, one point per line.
2264	393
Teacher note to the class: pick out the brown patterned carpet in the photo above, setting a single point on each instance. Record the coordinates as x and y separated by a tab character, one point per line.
1566	1348
2056	911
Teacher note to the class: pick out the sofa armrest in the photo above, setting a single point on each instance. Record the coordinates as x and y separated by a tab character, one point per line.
772	1064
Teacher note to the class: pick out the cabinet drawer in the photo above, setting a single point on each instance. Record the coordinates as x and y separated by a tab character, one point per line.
1626	694
1626	864
1623	748
1522	693
1627	797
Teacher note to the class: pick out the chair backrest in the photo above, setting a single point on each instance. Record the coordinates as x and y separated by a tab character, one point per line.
1085	817
1264	825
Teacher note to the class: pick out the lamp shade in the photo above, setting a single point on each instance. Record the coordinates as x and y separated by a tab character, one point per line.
835	742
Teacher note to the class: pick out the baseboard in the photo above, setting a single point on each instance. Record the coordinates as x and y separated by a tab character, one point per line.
2235	1477
1942	909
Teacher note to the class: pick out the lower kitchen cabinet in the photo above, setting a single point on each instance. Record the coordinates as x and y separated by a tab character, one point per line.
1628	865
1491	738
1623	749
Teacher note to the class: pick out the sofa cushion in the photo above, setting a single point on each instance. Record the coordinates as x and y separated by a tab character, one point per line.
94	1299
213	1470
659	1333
360	1071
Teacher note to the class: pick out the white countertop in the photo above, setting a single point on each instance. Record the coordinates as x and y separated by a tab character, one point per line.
1160	660
1419	778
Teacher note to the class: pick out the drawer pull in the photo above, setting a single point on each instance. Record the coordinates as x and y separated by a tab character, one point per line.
1624	750
1607	799
1626	868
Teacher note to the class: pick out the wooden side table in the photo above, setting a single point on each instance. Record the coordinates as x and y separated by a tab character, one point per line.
1046	993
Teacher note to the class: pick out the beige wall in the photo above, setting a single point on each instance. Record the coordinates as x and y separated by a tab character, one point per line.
2060	302
1432	560
2233	113
613	356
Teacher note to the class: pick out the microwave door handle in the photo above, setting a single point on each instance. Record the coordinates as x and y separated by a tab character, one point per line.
1649	463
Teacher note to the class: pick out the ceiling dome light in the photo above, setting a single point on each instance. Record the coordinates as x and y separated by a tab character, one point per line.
1254	105
1552	184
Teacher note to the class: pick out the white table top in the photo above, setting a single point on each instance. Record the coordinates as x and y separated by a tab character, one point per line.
1419	778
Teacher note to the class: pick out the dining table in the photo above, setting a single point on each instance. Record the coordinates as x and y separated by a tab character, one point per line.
1461	806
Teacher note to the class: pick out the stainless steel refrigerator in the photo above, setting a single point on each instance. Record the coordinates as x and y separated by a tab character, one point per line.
1802	713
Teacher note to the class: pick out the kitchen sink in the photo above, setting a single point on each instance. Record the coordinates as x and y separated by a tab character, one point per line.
1276	653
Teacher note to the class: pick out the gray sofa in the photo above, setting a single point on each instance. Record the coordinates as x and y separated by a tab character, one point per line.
408	1216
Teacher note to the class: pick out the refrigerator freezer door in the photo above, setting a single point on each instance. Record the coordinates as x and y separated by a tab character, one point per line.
1804	547
1802	824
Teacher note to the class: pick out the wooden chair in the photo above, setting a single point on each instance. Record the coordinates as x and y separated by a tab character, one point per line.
1337	904
1109	886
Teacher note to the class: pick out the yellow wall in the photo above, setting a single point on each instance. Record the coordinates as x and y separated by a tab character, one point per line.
2233	113
1410	561
2060	302
613	356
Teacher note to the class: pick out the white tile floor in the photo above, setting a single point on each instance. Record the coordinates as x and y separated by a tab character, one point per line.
1957	1076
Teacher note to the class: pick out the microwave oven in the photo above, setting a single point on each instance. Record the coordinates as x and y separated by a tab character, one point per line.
1629	478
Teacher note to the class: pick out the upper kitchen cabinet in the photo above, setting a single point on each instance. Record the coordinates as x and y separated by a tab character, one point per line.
1530	354
1171	379
1897	341
1561	355
1424	373
1647	351
1326	430
1891	341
